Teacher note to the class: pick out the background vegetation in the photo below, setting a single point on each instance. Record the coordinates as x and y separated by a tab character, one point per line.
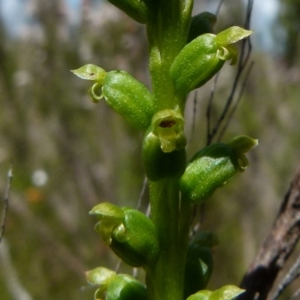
70	154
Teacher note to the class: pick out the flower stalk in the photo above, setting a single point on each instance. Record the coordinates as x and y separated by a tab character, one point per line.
183	55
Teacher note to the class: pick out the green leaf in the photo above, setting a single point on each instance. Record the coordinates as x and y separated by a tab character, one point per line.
200	24
232	35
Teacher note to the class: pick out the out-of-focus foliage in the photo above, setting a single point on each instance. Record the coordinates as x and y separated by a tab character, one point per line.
70	154
290	19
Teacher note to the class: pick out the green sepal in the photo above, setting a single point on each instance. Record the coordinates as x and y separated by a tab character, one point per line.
100	276
136	9
201	295
200	24
110	216
129	97
232	35
242	144
125	287
164	144
107	210
90	72
138	244
211	168
227	292
115	287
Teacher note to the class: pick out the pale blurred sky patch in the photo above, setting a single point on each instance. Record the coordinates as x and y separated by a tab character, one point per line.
16	14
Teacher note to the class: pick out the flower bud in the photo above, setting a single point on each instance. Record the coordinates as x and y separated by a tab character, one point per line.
199	263
163	146
213	167
200	24
203	57
129	97
137	244
116	287
101	277
125	287
110	216
136	9
128	232
122	92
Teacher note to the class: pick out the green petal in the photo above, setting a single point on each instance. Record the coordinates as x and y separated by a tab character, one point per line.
93	92
100	276
90	72
243	162
120	233
168	127
105	228
227	53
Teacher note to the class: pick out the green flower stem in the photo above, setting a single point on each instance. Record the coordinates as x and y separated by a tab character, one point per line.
171	219
167	35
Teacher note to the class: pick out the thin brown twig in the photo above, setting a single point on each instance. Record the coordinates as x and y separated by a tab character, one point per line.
212	93
6	200
243	60
235	106
208	110
142	193
219	7
194	117
292	274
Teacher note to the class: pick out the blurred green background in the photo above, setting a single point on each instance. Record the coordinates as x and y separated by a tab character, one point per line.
69	154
